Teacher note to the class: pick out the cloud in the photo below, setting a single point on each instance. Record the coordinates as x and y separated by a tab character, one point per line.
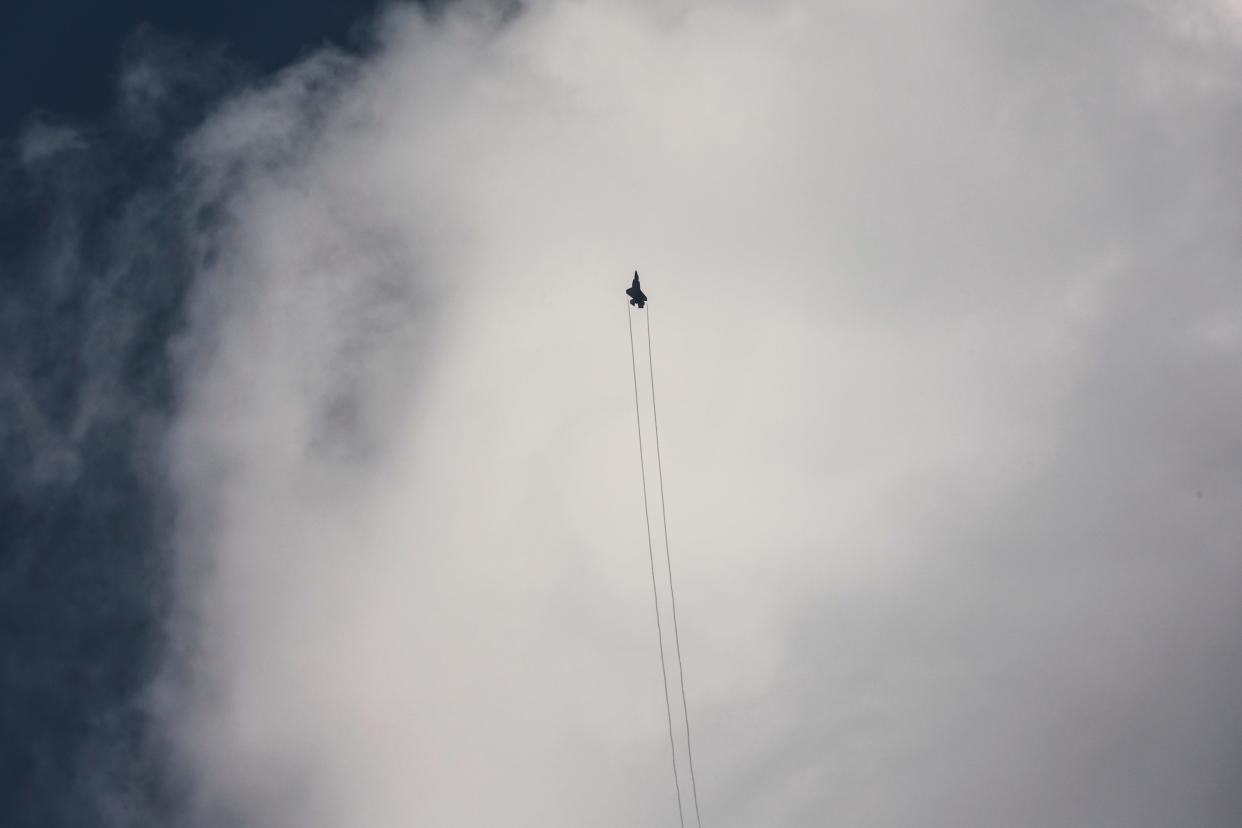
945	314
41	140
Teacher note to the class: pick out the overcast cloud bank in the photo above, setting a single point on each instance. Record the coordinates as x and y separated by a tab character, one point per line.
946	308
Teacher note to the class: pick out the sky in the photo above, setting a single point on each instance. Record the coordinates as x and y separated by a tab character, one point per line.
323	442
36	76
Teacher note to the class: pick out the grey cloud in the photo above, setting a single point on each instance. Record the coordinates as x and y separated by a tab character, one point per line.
947	329
41	140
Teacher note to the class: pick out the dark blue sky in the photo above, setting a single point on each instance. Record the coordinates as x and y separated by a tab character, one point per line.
88	239
61	56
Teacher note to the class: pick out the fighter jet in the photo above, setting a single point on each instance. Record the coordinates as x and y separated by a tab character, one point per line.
637	297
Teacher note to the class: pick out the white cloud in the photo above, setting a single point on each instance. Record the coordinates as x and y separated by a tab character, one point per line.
953	501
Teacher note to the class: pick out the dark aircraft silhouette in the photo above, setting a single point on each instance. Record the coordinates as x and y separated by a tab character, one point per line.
637	297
